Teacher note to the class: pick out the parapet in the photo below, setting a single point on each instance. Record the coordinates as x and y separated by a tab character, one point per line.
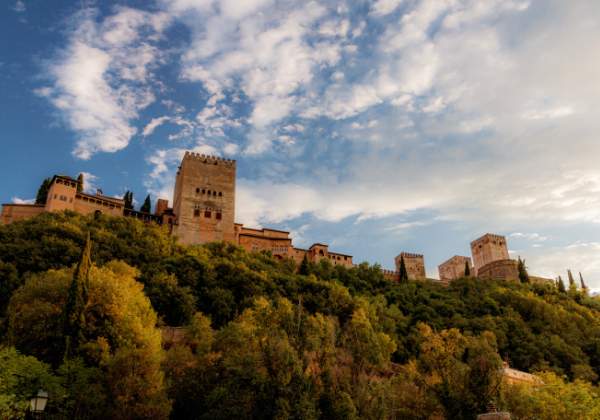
410	255
488	237
209	159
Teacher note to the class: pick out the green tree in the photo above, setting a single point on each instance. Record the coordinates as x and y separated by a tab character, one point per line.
80	183
402	271
467	269
119	336
554	399
128	200
77	299
561	285
42	193
523	275
147	206
304	269
21	377
584	288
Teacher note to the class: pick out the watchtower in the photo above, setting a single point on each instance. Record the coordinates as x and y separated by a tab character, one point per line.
204	199
414	263
488	248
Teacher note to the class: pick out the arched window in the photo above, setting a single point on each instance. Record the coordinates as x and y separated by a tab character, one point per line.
197	190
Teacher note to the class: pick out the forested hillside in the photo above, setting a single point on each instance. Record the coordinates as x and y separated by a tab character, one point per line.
263	338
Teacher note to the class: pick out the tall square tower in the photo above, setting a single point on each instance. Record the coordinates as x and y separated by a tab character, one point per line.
488	248
204	199
414	263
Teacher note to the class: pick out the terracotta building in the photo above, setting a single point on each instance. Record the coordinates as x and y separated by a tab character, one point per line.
488	248
454	268
203	210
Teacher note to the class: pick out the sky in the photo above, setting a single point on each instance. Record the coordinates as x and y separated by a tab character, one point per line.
373	126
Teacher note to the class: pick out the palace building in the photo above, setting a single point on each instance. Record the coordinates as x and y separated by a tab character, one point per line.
203	210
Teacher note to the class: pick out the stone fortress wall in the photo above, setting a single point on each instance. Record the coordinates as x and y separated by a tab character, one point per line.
204	211
454	268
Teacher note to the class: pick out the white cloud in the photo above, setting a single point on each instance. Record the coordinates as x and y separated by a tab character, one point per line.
101	80
19	7
17	200
90	183
384	7
578	257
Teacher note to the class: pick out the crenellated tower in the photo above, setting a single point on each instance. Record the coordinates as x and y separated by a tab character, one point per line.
204	199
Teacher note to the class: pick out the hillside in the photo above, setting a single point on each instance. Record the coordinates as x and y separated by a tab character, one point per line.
266	339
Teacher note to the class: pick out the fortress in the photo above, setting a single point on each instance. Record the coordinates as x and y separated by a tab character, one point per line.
204	211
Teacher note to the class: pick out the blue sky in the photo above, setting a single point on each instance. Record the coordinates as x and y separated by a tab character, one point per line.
374	126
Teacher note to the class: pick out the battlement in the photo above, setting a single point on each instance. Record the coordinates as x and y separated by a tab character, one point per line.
490	247
209	159
488	237
409	255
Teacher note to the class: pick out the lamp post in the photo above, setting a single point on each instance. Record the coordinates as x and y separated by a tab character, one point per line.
38	403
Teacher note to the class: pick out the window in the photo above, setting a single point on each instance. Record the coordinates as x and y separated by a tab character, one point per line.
196	212
55	196
197	190
218	215
214	193
207	214
203	191
220	194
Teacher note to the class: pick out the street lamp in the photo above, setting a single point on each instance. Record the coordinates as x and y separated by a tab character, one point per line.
38	403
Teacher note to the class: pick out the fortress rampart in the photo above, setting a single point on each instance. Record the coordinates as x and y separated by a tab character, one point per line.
204	211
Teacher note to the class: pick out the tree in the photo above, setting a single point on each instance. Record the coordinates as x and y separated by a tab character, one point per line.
74	313
20	378
128	199
553	399
561	285
572	284
523	275
304	269
584	288
119	336
402	271
467	269
42	194
147	206
80	183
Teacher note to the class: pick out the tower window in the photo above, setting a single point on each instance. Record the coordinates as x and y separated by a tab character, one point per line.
196	212
207	214
219	216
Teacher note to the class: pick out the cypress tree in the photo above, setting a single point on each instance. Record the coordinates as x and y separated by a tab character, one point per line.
128	200
571	279
80	181
584	288
561	285
403	273
42	193
147	206
467	269
304	268
523	275
74	312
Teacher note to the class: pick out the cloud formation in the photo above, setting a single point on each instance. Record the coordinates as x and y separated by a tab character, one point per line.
102	79
482	114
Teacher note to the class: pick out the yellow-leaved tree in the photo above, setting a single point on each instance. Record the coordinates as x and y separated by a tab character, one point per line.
118	337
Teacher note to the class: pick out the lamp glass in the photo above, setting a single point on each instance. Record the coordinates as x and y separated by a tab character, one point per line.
38	403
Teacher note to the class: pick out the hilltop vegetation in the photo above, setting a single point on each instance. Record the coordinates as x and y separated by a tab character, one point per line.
263	341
